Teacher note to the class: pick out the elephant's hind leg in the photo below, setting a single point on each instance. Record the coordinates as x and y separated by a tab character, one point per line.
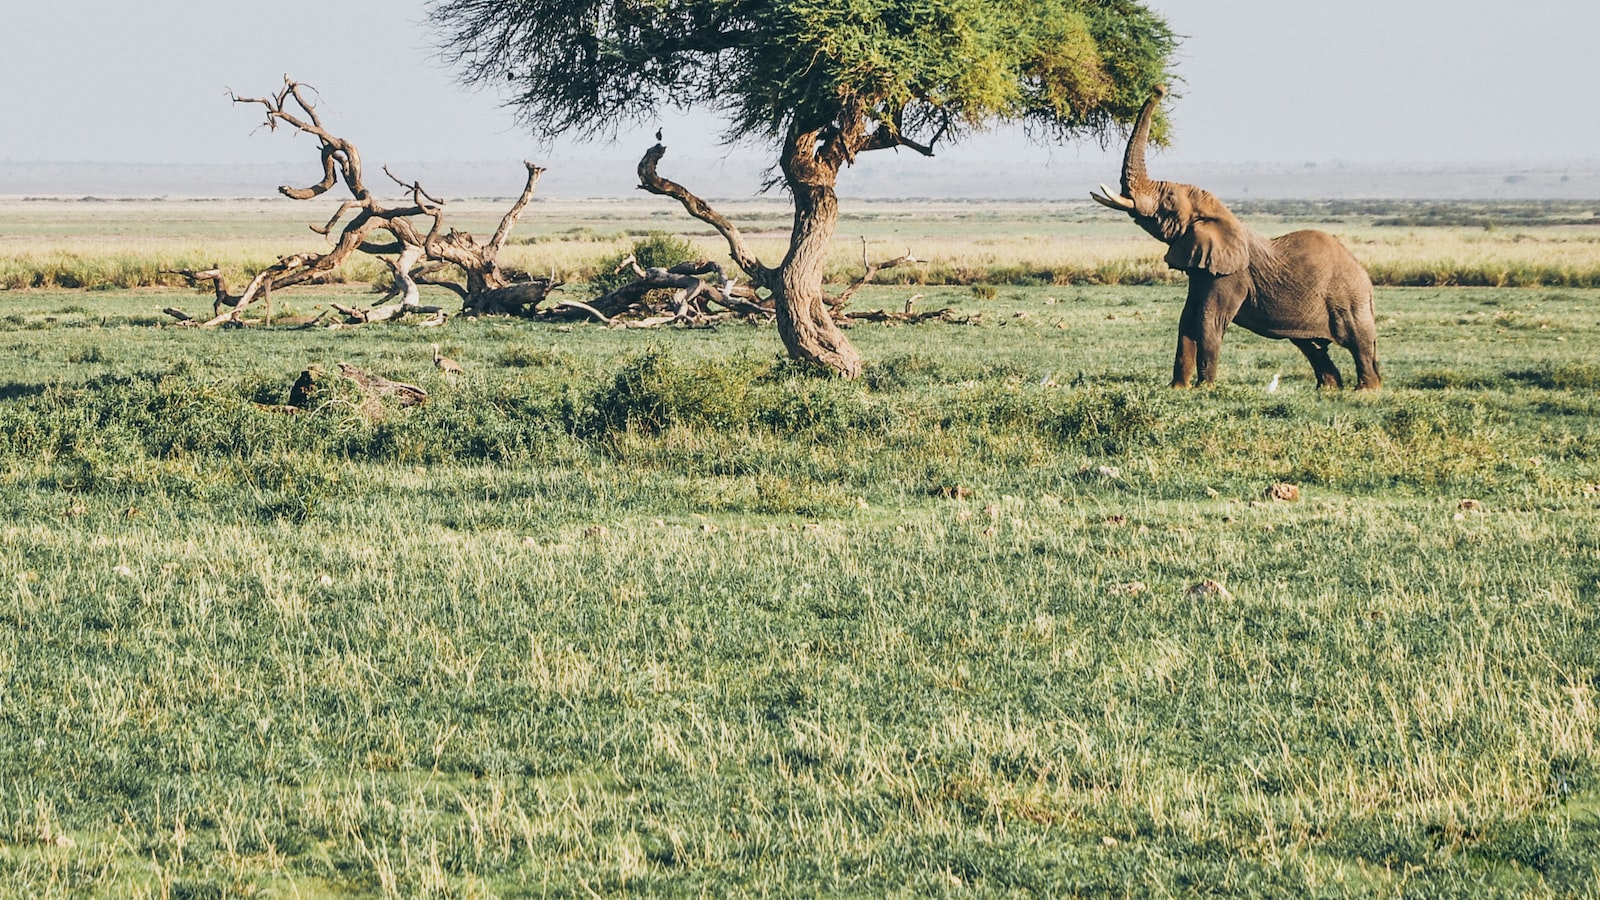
1364	350
1316	350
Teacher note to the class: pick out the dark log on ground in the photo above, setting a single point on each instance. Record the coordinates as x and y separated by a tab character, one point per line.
908	318
518	299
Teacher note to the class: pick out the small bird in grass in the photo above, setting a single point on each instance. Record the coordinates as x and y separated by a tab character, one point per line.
1272	386
445	364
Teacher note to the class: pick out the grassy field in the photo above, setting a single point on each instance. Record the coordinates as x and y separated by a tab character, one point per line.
624	612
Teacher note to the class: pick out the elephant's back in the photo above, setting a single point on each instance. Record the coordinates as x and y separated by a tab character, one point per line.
1317	263
1309	286
1321	247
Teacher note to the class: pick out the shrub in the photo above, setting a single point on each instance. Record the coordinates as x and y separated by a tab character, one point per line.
903	371
655	249
653	392
1102	422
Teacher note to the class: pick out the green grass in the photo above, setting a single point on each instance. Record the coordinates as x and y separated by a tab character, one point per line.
623	613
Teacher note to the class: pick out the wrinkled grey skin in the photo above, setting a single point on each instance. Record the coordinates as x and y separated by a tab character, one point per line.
1304	286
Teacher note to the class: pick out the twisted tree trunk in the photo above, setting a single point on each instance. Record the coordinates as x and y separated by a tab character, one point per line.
805	320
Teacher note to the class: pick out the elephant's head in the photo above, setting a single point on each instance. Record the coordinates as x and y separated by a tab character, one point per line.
1200	232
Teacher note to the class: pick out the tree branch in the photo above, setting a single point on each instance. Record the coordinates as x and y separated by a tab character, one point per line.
515	212
338	155
487	288
741	252
870	269
891	134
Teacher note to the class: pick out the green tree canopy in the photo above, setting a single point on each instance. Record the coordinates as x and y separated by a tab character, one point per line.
589	66
822	80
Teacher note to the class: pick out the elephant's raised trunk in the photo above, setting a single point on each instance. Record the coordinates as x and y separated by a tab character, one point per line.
1134	178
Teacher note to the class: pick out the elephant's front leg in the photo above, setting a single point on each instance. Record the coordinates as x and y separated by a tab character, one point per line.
1210	307
1183	366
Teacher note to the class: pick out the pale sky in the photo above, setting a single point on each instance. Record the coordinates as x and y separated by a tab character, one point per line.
1262	81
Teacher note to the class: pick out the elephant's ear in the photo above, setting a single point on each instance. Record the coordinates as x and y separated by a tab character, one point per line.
1215	242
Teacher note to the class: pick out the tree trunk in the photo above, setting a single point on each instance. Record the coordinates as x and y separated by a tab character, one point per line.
804	320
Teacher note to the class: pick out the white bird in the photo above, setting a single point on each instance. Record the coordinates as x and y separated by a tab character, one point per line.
445	364
1272	386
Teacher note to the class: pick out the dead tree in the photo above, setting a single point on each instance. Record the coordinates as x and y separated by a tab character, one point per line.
690	299
424	252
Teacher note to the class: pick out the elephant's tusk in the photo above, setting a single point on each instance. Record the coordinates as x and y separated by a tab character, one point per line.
1112	199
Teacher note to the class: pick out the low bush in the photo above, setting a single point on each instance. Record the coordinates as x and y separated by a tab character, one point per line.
656	249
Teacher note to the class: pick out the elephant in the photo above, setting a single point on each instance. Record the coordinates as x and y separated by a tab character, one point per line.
1304	286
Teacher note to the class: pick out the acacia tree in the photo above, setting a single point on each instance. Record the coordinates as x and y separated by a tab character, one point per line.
822	81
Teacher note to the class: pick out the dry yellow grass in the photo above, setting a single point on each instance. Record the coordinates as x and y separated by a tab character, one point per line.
125	244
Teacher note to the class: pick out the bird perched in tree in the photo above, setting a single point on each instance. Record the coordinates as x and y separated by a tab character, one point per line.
445	364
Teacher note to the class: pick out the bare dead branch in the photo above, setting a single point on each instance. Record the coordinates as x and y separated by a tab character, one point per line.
219	285
891	134
694	300
418	195
630	261
422	254
584	307
869	271
344	207
650	181
515	212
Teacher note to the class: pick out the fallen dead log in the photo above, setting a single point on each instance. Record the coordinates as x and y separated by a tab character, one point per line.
311	390
908	318
379	386
676	294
